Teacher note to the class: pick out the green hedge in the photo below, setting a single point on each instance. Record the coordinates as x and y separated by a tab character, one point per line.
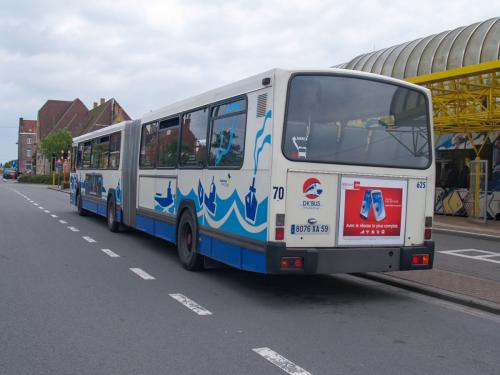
38	179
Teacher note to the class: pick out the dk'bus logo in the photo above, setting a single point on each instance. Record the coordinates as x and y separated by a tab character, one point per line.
312	188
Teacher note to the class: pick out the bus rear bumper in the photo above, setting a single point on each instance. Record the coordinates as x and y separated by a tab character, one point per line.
348	260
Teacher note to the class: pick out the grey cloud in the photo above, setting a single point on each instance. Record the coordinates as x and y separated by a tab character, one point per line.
150	53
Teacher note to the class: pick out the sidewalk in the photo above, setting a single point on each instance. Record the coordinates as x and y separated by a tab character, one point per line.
456	287
444	223
56	188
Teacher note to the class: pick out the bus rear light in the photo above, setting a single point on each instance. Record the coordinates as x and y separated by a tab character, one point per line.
279	234
428	233
420	260
291	263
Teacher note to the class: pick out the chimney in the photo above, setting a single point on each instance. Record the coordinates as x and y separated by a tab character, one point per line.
102	101
95	105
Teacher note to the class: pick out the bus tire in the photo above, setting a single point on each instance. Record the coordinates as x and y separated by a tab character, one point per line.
187	242
113	225
79	205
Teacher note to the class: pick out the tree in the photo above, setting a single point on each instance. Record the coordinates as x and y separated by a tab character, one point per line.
55	142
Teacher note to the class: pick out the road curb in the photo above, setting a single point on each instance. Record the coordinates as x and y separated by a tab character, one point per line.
481	236
461	299
57	189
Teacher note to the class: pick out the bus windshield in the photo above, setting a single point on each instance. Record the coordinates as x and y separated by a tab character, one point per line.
348	120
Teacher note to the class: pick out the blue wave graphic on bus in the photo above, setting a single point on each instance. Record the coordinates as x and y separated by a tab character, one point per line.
251	205
165	202
118	193
209	200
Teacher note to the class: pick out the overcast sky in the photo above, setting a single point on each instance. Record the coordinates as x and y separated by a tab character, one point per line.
149	53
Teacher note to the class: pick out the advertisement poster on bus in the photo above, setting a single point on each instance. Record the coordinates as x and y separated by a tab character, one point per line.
372	211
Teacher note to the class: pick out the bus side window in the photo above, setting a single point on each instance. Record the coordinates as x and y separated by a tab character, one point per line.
194	138
147	156
86	155
114	150
168	143
74	154
227	139
79	156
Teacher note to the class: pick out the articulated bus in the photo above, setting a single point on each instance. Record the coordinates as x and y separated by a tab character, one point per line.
289	171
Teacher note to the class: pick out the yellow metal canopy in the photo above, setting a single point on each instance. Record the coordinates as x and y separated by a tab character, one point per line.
465	100
461	67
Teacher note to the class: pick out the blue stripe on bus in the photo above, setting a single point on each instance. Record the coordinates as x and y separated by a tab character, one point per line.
235	256
99	208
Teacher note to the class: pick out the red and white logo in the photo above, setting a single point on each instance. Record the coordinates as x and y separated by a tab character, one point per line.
312	188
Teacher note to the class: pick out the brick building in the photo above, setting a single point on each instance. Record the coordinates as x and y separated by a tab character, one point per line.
77	118
26	145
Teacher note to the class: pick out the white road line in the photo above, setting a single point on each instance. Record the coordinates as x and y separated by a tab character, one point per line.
63	222
278	360
483	255
110	253
89	239
73	229
40	207
54	216
46	211
35	204
190	304
141	273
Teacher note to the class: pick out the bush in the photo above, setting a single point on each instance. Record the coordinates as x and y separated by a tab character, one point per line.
38	179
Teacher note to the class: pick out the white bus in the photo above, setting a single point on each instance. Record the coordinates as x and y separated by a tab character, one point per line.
289	171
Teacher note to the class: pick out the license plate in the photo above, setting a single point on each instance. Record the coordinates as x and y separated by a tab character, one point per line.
310	229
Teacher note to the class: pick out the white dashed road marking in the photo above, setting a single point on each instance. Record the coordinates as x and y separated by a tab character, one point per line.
73	229
88	239
190	304
281	362
46	211
63	222
110	253
35	204
40	207
141	273
54	216
475	254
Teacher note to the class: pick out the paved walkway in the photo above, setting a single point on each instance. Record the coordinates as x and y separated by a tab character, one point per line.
457	223
474	287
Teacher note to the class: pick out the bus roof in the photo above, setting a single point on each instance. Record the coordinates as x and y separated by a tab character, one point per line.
250	84
101	132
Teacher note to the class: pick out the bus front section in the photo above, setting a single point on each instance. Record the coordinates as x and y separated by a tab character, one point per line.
359	176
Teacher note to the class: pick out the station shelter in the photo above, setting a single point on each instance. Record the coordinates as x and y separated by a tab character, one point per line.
461	67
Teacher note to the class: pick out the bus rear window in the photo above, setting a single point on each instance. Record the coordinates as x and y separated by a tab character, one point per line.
347	120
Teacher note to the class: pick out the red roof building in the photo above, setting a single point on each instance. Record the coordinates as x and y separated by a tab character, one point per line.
77	118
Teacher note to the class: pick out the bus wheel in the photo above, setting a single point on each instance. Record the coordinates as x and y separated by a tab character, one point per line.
113	225
81	210
187	242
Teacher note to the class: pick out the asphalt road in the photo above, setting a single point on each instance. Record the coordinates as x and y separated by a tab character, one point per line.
470	256
67	307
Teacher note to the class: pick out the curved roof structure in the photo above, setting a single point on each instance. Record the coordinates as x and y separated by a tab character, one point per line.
464	46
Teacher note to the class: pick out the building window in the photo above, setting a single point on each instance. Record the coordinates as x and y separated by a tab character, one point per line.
27	164
168	142
29	141
227	140
28	153
194	139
